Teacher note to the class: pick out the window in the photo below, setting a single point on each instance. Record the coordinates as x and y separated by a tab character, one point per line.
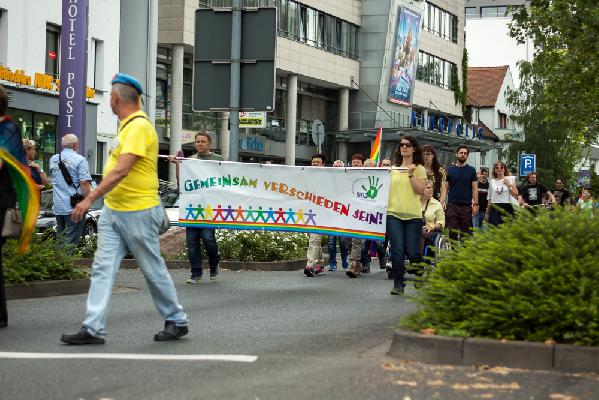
313	27
52	50
470	12
502	120
282	16
303	23
440	22
312	23
100	146
40	128
3	36
493	12
95	66
292	20
434	70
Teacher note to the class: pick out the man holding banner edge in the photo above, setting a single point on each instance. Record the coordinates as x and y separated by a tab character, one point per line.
194	236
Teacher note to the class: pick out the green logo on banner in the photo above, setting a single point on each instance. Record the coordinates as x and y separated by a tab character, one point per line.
373	190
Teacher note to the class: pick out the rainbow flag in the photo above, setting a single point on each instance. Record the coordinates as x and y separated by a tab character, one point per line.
375	152
27	196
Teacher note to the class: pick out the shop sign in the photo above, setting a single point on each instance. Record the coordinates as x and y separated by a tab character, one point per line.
254	119
251	144
39	81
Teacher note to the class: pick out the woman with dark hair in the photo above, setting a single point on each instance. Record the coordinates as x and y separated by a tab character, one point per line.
435	172
404	212
501	189
10	140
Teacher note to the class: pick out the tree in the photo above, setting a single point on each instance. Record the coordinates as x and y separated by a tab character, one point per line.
557	103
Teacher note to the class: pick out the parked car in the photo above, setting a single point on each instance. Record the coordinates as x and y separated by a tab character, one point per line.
46	220
169	195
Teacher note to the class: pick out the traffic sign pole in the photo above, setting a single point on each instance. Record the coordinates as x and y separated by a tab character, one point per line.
235	81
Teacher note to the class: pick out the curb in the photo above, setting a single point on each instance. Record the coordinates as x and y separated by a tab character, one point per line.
288	265
432	349
39	289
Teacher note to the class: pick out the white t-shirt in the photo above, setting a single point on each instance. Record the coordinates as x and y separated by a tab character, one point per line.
499	192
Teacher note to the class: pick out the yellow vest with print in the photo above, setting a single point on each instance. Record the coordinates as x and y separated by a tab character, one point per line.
404	203
139	189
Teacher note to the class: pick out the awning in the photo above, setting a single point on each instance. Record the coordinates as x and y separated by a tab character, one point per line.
441	140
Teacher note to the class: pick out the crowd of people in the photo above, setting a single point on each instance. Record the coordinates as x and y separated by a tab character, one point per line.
424	199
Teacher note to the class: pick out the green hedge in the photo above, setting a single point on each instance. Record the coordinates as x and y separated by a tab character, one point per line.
241	245
45	260
536	278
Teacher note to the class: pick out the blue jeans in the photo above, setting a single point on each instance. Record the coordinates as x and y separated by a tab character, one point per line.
404	236
380	248
193	237
332	245
477	220
68	231
137	231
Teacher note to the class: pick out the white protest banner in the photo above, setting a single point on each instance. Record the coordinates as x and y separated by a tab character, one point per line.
330	201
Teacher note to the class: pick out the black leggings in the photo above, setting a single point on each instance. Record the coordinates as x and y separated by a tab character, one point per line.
3	308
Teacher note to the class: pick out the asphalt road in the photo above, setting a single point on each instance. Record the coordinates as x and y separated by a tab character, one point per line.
314	338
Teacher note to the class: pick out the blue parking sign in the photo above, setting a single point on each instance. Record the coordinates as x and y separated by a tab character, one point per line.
528	164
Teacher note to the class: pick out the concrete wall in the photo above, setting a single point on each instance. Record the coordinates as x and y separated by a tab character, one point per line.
485	3
176	20
323	68
348	10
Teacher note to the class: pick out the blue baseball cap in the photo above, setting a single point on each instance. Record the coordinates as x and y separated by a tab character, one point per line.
127	80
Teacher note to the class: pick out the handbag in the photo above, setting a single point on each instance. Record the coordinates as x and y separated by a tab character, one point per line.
13	222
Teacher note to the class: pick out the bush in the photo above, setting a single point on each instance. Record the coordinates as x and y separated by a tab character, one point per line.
535	278
87	247
261	246
45	260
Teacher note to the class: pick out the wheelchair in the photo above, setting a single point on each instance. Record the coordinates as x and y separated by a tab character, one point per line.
432	251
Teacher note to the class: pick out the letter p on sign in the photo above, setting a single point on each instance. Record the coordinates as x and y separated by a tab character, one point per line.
528	163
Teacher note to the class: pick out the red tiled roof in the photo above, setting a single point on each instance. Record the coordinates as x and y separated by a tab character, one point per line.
487	132
484	84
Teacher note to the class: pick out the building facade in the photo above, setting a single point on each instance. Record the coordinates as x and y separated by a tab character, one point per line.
418	46
487	22
488	89
316	60
30	65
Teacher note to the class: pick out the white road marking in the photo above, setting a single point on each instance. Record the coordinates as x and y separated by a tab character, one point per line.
130	356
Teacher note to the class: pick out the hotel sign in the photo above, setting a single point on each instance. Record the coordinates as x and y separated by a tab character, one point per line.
73	70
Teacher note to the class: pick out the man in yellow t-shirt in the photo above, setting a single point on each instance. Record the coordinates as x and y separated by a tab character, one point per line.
130	220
